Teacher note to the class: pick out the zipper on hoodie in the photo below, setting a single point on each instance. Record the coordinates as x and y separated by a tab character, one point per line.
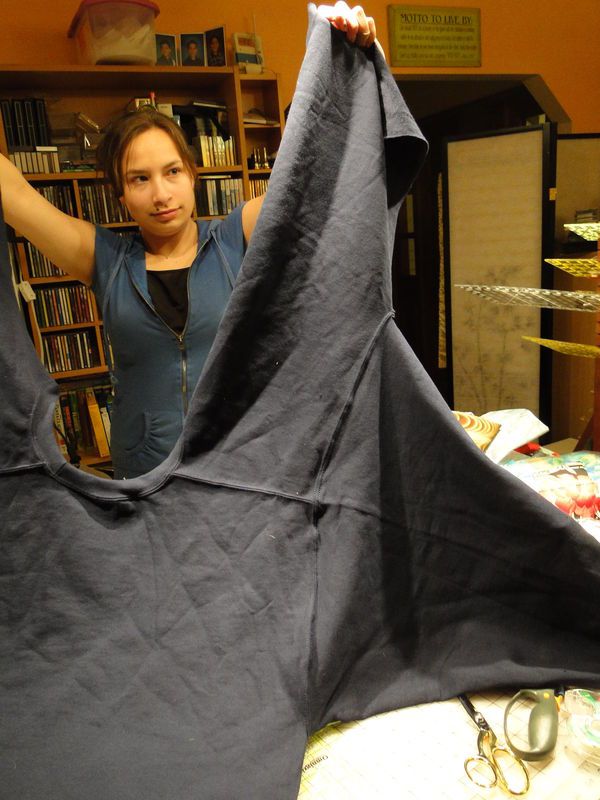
180	337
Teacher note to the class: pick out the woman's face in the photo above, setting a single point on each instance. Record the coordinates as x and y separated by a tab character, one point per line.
158	191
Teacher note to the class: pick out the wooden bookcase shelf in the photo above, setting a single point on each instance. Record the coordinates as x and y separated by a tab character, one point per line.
102	93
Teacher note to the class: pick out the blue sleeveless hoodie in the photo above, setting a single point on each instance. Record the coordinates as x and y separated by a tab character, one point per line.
154	370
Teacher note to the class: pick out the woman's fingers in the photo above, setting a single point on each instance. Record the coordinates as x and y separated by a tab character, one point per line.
366	33
358	27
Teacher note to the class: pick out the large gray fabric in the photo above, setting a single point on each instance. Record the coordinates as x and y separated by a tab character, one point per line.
324	542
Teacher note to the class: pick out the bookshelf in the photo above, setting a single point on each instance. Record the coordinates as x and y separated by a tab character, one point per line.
258	92
64	318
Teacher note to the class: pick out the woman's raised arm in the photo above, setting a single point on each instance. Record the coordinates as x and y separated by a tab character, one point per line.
68	242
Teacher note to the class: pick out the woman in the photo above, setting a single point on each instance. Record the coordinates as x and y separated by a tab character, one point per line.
162	293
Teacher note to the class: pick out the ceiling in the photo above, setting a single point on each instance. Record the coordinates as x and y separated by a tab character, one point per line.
426	95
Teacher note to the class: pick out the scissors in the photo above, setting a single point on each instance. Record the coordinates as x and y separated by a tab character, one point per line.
494	764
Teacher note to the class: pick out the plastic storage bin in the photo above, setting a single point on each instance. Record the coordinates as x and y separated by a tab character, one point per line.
115	31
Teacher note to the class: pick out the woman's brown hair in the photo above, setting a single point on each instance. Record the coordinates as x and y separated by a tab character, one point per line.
120	134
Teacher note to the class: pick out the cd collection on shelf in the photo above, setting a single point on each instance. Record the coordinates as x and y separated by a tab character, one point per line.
217	195
68	352
99	204
63	305
59	194
38	265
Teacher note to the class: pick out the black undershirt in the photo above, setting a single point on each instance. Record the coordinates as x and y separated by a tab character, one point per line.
168	290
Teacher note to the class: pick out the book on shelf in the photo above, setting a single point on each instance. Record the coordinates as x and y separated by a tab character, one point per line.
105	398
68	427
86	433
72	415
254	116
209	105
213	151
59	431
86	124
258	186
76	417
73	421
77	414
97	424
105	414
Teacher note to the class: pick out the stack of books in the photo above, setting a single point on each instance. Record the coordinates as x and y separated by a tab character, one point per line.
214	151
206	126
82	416
258	186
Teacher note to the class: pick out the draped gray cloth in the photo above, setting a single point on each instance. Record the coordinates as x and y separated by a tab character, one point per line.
324	542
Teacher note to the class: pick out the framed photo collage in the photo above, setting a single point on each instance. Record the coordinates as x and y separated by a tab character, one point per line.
202	49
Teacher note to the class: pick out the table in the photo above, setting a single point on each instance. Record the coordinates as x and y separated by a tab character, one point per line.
417	753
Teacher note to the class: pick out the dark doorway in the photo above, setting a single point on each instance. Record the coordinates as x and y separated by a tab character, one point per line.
445	107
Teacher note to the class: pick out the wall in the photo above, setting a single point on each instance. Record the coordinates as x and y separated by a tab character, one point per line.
547	37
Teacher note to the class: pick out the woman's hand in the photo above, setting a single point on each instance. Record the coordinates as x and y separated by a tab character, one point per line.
359	28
